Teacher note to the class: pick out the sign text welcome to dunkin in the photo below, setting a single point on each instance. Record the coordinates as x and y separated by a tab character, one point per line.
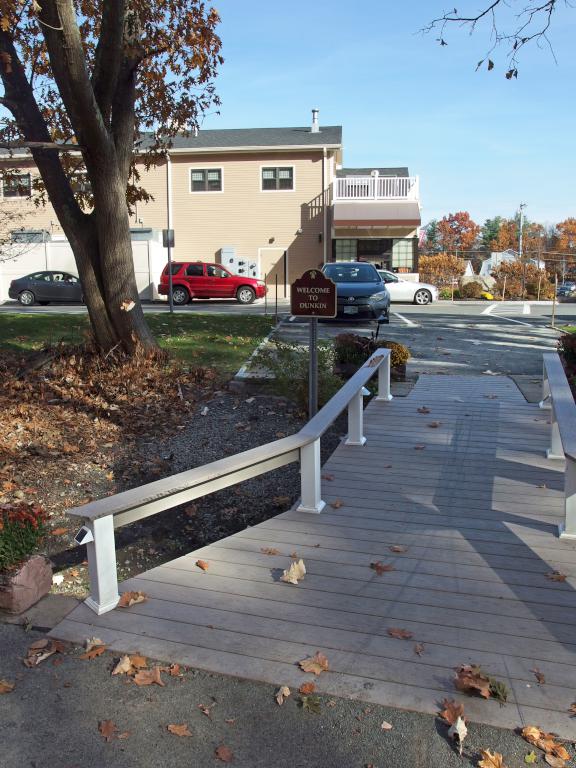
313	295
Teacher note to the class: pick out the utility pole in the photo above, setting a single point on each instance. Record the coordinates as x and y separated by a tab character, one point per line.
520	249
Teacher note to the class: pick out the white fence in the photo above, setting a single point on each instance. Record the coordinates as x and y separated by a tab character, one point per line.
376	188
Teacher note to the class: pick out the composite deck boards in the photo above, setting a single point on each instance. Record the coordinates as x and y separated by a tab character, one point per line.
467	490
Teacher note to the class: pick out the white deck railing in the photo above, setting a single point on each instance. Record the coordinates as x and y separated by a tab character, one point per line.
103	516
376	188
557	396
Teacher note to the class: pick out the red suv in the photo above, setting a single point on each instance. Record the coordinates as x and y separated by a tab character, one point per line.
197	280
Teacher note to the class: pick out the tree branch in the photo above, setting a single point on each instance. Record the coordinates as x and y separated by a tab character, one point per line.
10	145
108	55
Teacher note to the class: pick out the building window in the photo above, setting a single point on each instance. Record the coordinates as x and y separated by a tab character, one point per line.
345	250
206	180
403	255
17	185
277	178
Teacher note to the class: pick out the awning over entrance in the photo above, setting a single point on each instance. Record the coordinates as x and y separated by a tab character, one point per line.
377	214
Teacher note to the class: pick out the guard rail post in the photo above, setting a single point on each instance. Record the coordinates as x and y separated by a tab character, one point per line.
310	468
102	565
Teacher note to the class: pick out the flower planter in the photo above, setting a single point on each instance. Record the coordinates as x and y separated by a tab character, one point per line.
398	372
24	586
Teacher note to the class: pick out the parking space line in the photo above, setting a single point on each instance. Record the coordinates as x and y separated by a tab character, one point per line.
512	320
408	322
488	310
526	309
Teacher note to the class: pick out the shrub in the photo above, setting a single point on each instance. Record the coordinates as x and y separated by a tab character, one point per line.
471	290
22	528
567	350
399	353
289	365
352	349
516	273
446	293
440	269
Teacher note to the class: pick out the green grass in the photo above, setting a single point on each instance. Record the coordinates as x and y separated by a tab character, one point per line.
221	341
569	329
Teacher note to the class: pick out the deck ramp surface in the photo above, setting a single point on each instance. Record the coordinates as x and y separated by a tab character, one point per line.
465	488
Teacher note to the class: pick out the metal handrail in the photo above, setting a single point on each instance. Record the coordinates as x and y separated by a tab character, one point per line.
101	517
558	398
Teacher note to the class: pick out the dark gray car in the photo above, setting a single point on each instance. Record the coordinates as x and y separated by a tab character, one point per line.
44	287
360	289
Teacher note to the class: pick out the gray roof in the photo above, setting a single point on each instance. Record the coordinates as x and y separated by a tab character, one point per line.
230	138
367	171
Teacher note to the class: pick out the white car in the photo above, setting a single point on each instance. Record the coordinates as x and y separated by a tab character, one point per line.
408	290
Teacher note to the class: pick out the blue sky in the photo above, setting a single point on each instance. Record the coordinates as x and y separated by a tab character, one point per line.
479	142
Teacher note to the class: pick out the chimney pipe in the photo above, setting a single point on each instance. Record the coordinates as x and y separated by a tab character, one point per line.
315	127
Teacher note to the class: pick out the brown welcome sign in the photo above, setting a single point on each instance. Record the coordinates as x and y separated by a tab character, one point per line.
313	295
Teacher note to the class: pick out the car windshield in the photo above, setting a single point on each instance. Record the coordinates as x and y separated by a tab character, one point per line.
351	273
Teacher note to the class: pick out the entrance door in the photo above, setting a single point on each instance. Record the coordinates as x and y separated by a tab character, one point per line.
274	265
378	251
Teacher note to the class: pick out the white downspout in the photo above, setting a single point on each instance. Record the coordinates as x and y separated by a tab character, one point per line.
324	206
168	191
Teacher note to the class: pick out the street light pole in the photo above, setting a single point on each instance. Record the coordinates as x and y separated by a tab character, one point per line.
520	248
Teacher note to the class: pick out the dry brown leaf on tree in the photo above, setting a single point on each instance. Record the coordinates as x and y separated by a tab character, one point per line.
295	573
108	729
269	551
306	689
556	576
400	634
132	598
149	677
178	730
458	731
6	687
490	760
451	711
315	664
471	678
381	568
282	694
224	753
398	549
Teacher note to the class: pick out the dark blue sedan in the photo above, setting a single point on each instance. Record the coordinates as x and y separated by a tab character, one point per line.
360	290
44	287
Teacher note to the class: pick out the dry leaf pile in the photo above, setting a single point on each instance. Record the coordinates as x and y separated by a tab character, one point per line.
314	664
473	679
128	599
556	754
43	649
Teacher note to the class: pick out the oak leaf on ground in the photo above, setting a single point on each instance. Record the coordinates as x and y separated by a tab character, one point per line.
108	729
451	711
132	598
533	734
123	667
458	731
381	567
178	730
93	653
224	753
314	664
306	689
6	687
206	709
295	573
41	650
149	677
282	694
490	760
400	634
386	726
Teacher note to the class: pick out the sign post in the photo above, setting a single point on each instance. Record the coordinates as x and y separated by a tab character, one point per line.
313	295
168	242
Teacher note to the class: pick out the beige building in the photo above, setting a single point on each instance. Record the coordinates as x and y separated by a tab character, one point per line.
270	201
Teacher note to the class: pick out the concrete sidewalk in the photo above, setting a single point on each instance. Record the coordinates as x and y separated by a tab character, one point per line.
50	720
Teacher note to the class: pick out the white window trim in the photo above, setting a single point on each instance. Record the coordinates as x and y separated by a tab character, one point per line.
18	198
278	165
205	168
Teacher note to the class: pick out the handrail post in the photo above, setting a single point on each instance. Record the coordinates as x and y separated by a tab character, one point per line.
567	530
384	380
310	466
555	451
545	402
356	420
102	565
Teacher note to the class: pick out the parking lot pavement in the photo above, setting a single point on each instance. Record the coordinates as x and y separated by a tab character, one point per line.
453	338
210	306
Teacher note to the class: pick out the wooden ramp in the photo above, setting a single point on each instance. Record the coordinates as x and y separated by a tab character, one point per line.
467	491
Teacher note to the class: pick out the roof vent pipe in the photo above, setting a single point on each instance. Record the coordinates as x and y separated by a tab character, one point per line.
315	127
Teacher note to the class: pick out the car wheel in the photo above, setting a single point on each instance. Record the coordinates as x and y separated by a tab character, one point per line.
245	295
180	295
422	297
26	298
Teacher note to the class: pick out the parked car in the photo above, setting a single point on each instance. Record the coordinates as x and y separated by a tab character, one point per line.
407	290
567	288
44	287
360	290
198	280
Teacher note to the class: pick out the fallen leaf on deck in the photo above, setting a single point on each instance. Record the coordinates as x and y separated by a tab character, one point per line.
490	760
538	675
458	732
282	694
530	758
269	551
107	729
386	726
423	409
315	664
419	447
132	598
400	634
452	711
148	677
203	565
295	573
328	477
307	688
556	576
179	730
6	687
224	754
419	649
398	548
381	568
336	504
472	678
572	709
434	424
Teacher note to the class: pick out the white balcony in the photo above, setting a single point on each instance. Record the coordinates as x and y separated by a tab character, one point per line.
375	187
